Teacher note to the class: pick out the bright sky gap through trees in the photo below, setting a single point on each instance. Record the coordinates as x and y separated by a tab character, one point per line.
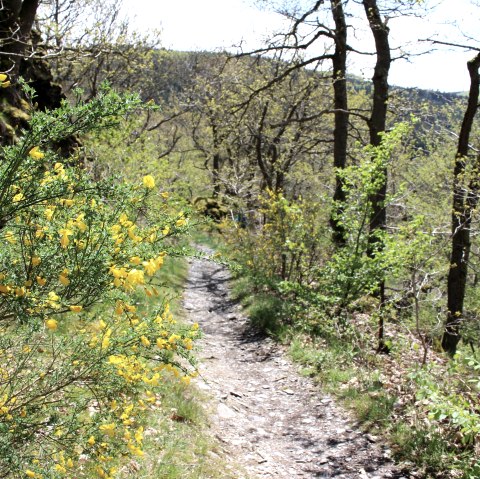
218	24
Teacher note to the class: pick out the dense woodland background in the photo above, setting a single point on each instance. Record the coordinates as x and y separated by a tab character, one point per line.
347	208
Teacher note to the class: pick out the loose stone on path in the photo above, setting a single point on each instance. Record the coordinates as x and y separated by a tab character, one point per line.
271	422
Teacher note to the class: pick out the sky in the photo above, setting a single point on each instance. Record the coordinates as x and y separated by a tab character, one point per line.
219	24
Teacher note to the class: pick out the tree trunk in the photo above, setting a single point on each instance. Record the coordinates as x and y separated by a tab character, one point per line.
267	182
376	125
19	42
340	132
215	159
216	175
16	22
464	203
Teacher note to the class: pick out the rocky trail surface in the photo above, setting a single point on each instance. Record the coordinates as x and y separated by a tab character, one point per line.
270	421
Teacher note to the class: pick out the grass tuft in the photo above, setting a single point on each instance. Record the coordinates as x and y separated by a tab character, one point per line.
177	443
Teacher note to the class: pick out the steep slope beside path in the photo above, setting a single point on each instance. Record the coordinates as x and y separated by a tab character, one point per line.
270	420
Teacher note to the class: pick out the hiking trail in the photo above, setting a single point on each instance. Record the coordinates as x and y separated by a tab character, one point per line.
271	421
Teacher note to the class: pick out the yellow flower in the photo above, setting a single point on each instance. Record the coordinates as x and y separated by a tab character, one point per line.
133	278
80	224
18	197
145	341
63	278
106	339
135	450
139	435
118	272
76	309
151	398
51	324
101	472
6	84
91	440
135	260
159	260
61	469
10	237
36	154
65	233
131	232
52	296
3	77
115	359
150	267
149	181
108	429
173	338
119	308
164	194
30	473
181	222
19	292
49	212
41	281
80	244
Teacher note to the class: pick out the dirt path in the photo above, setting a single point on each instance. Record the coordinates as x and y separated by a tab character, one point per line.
270	420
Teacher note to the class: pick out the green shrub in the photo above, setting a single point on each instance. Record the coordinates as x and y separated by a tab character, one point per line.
79	363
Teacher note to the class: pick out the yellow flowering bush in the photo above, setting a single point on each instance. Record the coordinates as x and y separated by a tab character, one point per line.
288	245
80	358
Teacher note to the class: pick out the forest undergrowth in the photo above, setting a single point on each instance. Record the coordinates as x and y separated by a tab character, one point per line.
422	402
366	318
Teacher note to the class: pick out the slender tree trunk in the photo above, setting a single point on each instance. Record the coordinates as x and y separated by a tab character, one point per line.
376	125
340	132
464	202
216	175
215	161
258	138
